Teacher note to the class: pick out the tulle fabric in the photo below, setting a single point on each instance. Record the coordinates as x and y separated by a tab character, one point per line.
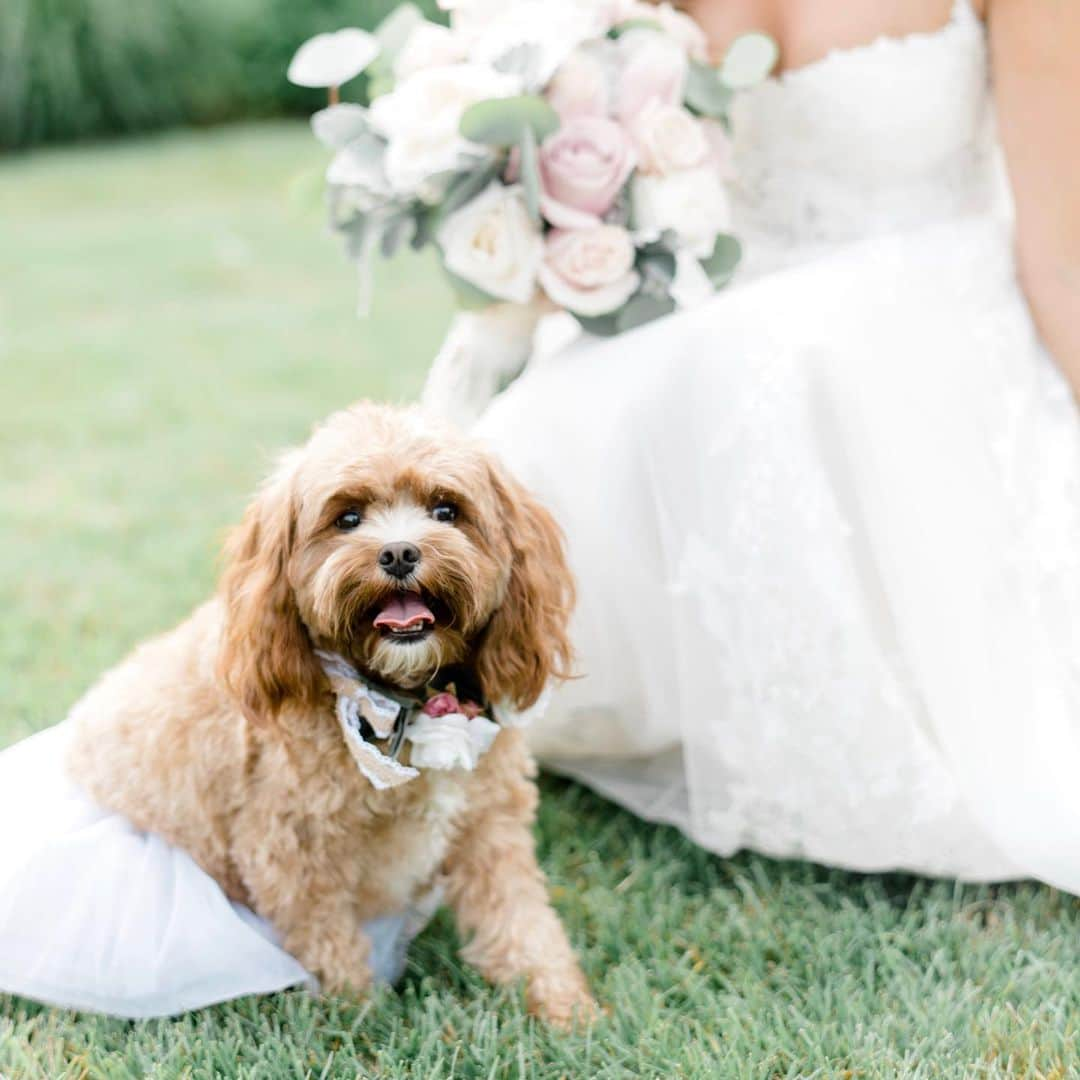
96	915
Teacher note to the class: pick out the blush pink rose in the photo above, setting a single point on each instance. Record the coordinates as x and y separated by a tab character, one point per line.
583	167
443	704
653	72
589	271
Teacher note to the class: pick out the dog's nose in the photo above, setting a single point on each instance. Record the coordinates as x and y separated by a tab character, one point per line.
399	560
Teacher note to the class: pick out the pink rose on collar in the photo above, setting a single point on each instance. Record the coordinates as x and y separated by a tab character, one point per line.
583	167
446	704
443	704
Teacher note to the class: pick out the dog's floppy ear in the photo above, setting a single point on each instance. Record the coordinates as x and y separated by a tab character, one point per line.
266	657
527	641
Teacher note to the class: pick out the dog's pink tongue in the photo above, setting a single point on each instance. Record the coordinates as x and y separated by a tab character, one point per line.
403	611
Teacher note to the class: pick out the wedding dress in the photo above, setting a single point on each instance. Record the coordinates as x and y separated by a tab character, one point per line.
826	527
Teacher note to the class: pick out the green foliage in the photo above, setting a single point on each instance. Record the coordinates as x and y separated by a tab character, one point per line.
78	68
706	94
503	121
750	58
721	263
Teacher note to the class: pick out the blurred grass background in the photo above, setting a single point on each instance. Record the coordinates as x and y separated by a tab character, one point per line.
78	68
171	312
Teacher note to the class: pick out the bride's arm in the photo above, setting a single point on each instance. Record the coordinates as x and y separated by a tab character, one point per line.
1036	45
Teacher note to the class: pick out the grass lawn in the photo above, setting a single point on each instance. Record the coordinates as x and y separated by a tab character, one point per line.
170	313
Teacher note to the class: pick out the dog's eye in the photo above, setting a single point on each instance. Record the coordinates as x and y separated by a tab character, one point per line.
349	520
445	512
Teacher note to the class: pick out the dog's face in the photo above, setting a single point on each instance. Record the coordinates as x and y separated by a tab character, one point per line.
402	553
396	542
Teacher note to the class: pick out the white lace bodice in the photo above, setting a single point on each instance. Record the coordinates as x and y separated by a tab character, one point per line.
875	139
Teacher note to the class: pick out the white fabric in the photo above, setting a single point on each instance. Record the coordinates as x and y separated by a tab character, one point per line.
826	527
96	915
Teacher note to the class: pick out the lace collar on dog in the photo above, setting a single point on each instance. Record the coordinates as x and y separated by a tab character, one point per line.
443	731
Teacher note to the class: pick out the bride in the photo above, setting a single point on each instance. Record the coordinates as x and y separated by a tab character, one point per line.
826	527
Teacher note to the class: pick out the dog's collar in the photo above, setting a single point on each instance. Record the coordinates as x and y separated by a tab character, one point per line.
445	731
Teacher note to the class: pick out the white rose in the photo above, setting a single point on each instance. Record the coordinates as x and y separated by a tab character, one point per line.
589	271
493	243
450	742
676	24
420	118
551	29
668	139
654	72
428	46
693	204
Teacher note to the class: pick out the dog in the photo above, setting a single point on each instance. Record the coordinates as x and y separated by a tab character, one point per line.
399	548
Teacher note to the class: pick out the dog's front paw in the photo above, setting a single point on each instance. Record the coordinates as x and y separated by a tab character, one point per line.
562	999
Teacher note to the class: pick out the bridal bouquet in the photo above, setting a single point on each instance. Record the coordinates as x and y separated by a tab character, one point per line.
566	154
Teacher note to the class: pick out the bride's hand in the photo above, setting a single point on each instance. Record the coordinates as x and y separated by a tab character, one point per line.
482	353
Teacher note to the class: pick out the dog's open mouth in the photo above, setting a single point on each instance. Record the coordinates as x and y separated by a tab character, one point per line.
405	617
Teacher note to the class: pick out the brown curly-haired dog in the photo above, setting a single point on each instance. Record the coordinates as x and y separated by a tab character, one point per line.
222	735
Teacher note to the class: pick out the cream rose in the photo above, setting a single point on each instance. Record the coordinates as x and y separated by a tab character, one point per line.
676	24
580	87
492	243
550	29
668	139
429	45
420	120
693	204
589	271
453	741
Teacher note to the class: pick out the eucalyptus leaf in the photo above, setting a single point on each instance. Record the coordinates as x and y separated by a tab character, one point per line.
424	233
356	232
657	266
463	189
706	93
502	121
635	24
529	169
667	243
395	30
332	59
396	230
600	325
750	59
337	125
642	308
721	264
360	165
